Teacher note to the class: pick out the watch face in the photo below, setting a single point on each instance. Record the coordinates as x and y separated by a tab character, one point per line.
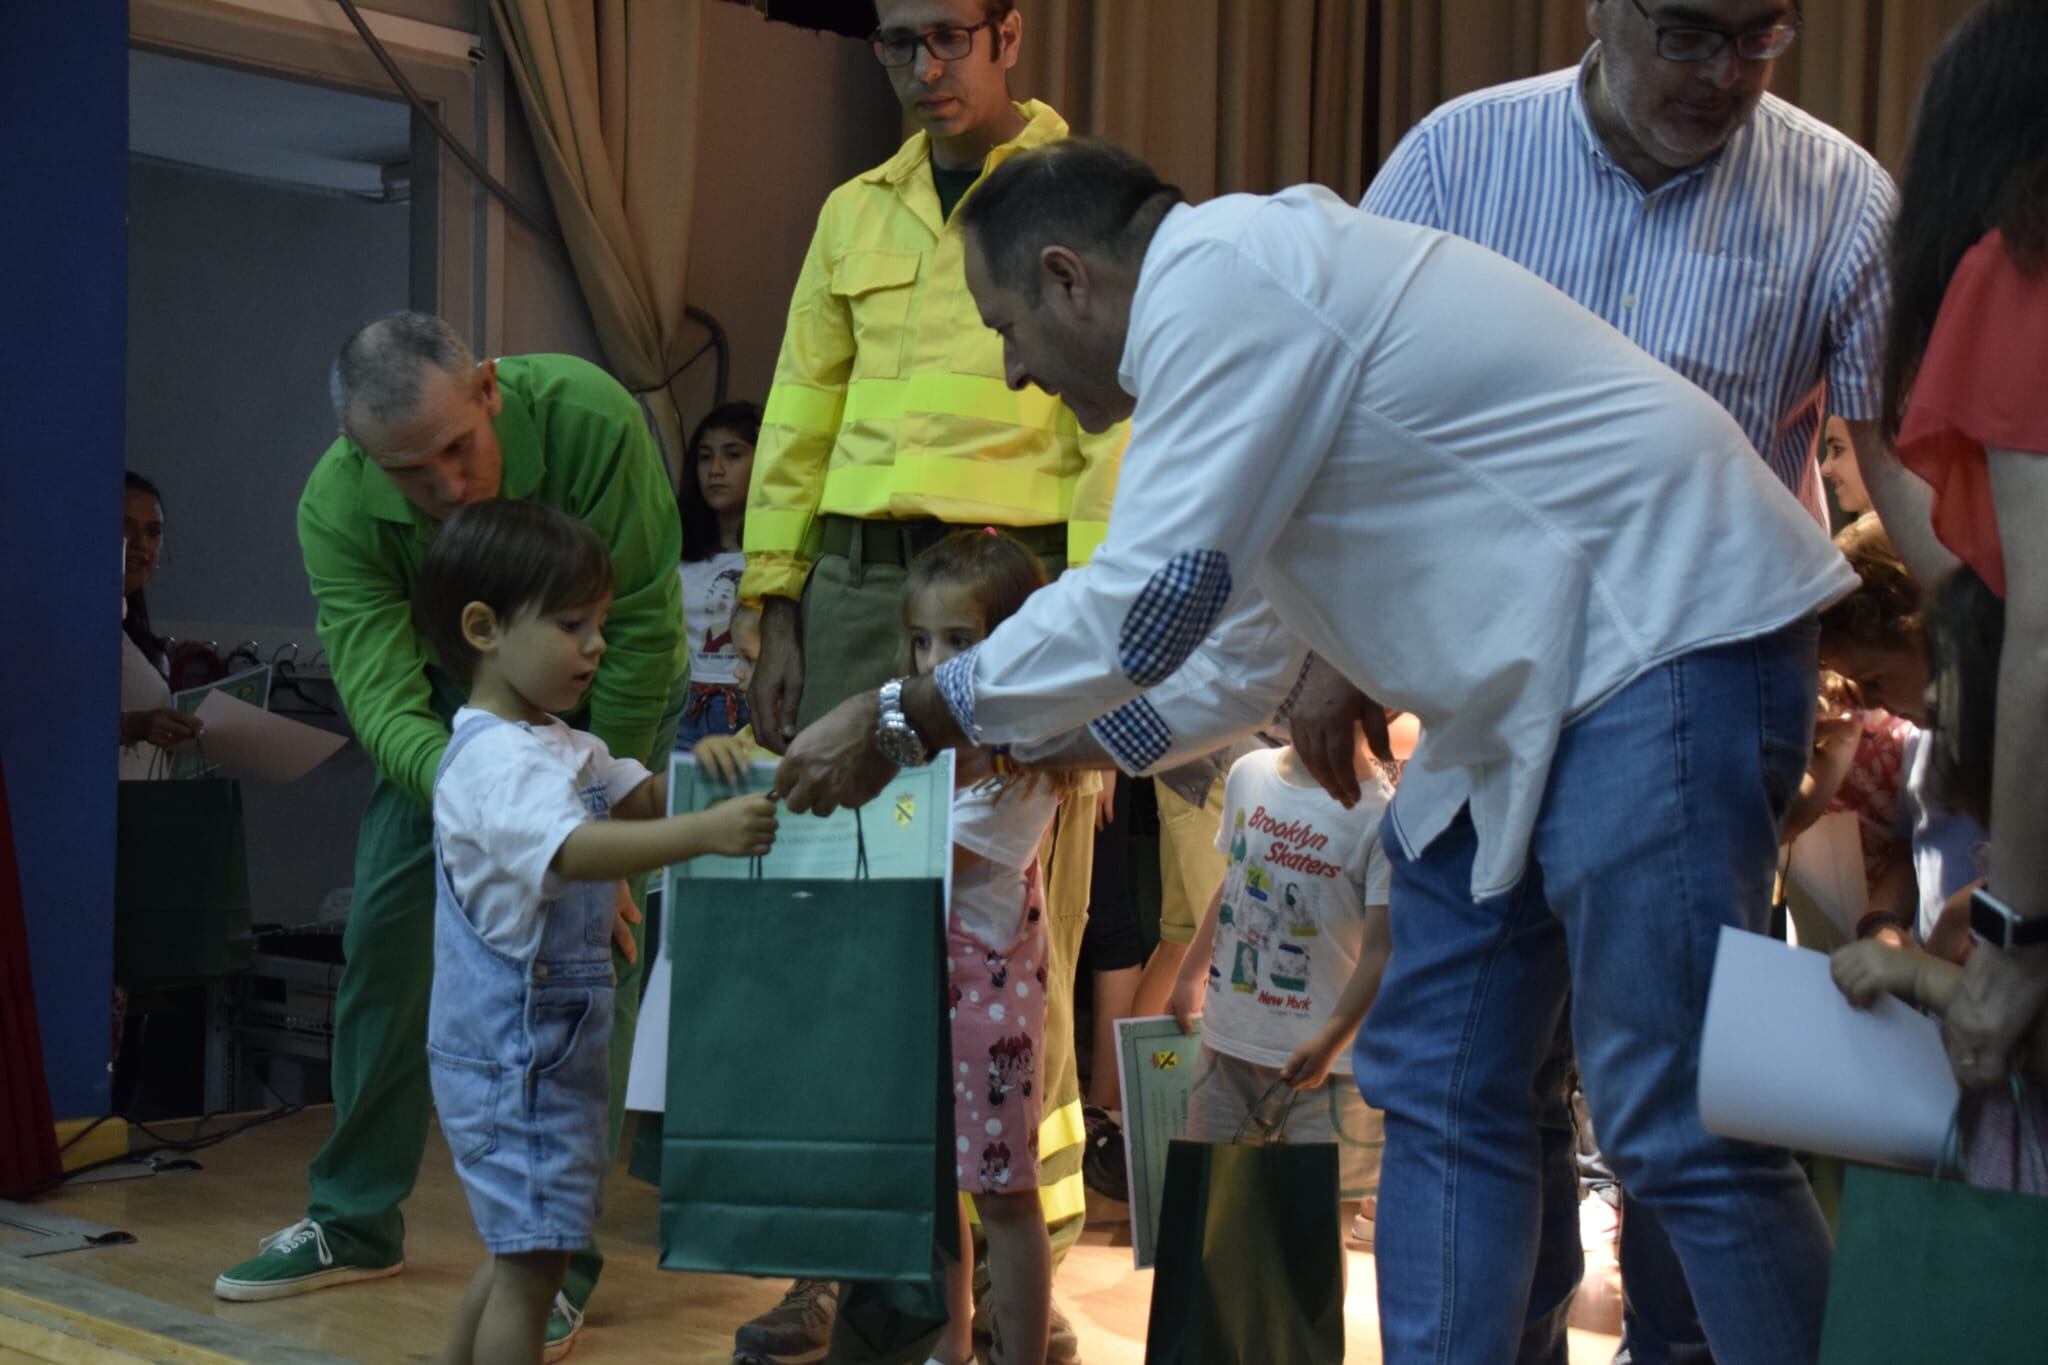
900	746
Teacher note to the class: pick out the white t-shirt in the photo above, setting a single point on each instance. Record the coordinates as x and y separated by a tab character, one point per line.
988	898
1302	870
711	592
503	808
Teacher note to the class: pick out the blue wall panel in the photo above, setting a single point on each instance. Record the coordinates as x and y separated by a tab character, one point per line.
63	342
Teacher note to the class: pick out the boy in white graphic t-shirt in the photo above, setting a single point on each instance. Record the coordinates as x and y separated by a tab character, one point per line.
1289	958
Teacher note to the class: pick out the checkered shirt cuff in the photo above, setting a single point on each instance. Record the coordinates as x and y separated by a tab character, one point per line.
1135	734
1172	615
955	678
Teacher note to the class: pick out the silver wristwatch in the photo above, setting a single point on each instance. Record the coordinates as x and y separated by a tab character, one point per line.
894	735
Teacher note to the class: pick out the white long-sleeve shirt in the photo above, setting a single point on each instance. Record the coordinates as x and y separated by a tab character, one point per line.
1235	684
1476	499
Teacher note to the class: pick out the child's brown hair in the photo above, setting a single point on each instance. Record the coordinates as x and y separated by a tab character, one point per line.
514	556
996	568
1000	573
1884	612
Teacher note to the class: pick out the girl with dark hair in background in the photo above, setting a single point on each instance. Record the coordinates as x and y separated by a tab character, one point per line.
713	500
1965	403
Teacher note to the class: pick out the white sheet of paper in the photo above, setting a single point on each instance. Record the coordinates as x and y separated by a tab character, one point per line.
246	741
1827	862
1785	1060
647	1078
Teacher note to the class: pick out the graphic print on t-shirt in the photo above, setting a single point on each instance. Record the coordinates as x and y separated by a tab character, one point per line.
711	594
723	596
1284	867
1290	917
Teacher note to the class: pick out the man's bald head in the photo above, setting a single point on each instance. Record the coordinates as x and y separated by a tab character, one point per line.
376	380
407	390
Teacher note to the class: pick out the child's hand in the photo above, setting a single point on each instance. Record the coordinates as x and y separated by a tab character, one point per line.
1864	971
624	916
1310	1065
743	827
1186	1002
724	755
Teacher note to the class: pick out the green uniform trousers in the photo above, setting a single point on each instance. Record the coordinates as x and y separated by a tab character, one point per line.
853	640
379	1071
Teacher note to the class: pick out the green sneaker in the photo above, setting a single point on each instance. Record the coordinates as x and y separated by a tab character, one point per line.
565	1324
298	1260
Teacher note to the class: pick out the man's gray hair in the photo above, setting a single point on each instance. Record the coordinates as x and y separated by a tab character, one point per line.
376	378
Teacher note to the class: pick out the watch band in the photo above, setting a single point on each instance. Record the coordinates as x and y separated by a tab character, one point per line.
894	734
1993	921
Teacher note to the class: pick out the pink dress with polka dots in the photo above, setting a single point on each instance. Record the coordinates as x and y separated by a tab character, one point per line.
996	1005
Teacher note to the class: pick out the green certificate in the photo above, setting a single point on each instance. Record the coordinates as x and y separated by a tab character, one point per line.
906	832
1156	1067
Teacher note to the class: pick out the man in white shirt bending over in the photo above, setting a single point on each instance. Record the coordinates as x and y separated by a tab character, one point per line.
1486	506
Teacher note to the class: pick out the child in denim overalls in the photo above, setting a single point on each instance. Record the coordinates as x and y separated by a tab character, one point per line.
535	824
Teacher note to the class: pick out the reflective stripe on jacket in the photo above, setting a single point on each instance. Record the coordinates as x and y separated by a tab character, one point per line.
889	398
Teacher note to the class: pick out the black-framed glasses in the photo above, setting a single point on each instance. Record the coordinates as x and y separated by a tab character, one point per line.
1691	43
947	43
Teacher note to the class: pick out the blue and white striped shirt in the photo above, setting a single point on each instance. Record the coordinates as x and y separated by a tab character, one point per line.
1759	274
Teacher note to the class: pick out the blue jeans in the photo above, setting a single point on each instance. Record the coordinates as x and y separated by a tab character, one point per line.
710	711
1659	825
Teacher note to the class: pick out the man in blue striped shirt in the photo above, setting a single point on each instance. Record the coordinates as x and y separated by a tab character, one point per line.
1741	242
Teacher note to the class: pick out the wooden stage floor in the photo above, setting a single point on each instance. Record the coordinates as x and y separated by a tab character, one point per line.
153	1299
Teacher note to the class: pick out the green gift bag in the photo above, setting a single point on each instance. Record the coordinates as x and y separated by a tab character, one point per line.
801	1134
1250	1267
1928	1269
181	881
808	1130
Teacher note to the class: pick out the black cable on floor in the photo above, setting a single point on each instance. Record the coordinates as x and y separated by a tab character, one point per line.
159	1144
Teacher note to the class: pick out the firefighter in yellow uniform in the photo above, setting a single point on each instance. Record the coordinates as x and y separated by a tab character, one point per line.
890	425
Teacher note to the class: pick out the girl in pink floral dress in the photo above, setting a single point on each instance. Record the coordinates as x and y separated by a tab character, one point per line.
996	947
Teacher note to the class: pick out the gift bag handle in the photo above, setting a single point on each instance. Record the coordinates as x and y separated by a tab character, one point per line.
163	764
1276	1135
2026	1145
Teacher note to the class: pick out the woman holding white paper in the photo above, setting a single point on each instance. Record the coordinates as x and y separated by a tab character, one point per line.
1963	400
147	716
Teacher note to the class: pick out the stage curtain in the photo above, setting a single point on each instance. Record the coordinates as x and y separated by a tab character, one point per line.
609	87
1254	95
1861	63
28	1132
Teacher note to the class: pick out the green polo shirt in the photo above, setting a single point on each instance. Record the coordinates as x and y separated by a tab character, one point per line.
574	439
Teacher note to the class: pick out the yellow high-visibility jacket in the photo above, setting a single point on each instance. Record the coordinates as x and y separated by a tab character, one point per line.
889	398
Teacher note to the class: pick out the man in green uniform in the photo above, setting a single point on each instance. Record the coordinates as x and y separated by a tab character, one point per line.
426	430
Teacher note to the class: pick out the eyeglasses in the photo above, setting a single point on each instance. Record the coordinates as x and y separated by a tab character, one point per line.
1690	43
949	43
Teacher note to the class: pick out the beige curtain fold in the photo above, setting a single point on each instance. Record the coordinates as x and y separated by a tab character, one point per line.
1220	95
1861	64
1232	95
609	87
